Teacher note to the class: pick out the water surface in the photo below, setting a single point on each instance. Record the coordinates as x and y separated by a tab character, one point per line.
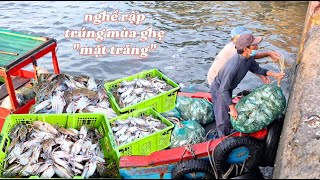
195	32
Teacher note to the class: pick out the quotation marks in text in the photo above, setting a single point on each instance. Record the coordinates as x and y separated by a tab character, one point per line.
100	50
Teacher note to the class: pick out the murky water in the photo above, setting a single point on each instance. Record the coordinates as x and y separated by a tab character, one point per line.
195	32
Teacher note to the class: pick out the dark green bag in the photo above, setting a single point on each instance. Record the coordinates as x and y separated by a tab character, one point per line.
258	109
172	113
196	109
187	132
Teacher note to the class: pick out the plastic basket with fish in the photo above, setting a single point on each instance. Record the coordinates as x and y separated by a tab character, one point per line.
145	144
91	121
146	89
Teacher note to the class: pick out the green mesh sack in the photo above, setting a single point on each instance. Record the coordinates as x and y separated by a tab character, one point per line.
258	109
187	132
172	113
196	109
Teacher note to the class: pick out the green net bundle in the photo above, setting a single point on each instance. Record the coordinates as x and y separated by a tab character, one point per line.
196	109
172	113
187	132
258	109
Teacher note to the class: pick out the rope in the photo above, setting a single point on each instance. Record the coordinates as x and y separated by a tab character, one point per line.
190	149
212	164
236	170
281	63
244	162
212	161
225	176
175	120
281	67
208	133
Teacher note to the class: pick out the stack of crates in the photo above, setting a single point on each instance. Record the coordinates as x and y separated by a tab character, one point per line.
156	141
91	120
153	106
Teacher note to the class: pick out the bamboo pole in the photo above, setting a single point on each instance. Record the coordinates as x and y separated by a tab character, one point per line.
25	36
9	53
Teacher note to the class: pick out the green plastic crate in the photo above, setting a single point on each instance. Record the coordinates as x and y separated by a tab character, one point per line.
96	120
145	145
161	103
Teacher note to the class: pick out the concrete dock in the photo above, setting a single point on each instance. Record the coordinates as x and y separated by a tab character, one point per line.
298	153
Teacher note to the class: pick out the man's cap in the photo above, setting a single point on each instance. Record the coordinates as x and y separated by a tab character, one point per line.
247	40
239	30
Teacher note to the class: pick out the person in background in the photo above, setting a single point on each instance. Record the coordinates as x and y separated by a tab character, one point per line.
230	75
229	50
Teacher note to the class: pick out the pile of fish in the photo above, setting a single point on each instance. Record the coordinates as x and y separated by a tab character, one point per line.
132	128
40	149
23	95
132	92
66	94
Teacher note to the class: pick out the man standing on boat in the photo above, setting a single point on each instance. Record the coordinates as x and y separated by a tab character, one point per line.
230	75
229	50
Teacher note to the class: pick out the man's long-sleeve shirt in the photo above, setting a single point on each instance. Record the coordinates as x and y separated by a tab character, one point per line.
231	74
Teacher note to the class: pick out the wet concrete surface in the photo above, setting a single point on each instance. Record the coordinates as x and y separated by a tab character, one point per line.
298	153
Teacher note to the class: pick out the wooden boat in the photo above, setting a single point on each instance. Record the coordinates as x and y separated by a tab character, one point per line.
193	162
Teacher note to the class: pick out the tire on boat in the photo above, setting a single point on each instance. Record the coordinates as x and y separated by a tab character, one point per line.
201	168
272	141
237	150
